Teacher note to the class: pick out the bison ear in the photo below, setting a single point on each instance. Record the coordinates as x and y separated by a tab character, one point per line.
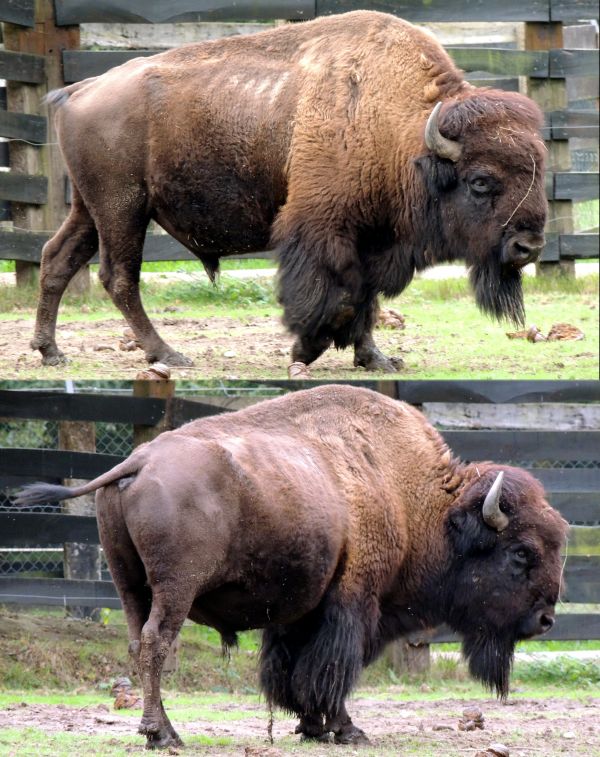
439	175
468	531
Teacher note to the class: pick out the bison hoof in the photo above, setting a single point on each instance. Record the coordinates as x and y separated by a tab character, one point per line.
351	735
171	358
323	738
56	357
379	362
159	737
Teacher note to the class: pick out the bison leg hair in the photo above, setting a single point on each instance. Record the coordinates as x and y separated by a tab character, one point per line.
329	664
309	668
73	245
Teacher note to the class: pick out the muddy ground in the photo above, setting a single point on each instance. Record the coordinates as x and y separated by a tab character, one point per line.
549	727
258	347
220	347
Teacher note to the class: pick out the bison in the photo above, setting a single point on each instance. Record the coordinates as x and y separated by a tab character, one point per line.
350	144
335	519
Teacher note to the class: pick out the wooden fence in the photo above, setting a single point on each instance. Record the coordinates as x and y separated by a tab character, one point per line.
575	492
42	52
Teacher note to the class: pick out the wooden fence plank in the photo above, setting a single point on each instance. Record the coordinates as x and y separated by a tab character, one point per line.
45	530
23	126
52	462
578	508
497	391
575	186
582	580
57	406
563	63
23	188
81	64
27	246
66	464
19	12
568	124
22	245
525	445
582	575
573	10
579	246
568	479
568	627
22	67
450	10
157	11
503	62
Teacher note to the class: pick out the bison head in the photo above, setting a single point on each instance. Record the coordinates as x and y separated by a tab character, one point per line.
485	180
506	569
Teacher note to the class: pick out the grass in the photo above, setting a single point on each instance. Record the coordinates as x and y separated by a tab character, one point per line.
446	337
70	665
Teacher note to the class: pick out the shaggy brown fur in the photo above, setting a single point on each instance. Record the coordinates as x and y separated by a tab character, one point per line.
309	137
294	517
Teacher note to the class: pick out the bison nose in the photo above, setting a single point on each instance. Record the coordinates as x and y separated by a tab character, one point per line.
546	622
521	250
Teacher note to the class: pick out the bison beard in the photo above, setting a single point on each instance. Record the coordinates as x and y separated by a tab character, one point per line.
498	290
490	659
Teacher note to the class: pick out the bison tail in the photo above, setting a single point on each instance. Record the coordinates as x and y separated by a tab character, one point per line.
57	97
39	494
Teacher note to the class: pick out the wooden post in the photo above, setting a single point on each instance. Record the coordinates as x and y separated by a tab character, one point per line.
551	95
157	389
406	658
80	560
48	40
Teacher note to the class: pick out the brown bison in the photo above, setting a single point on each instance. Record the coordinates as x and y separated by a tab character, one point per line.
293	516
322	139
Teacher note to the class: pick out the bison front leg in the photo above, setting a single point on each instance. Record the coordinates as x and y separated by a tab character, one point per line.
366	353
343	729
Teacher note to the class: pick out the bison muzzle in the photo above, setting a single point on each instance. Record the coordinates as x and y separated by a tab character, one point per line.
350	144
335	519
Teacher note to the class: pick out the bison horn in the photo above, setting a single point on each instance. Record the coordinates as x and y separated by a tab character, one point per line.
441	146
492	514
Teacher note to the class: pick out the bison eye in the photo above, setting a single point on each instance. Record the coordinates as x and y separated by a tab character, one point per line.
520	555
480	185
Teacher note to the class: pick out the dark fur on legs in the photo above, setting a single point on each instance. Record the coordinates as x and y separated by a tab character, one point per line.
310	670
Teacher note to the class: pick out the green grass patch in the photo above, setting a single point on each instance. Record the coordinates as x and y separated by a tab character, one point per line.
446	337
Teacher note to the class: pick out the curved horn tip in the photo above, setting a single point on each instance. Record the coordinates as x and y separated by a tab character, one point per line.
491	512
438	144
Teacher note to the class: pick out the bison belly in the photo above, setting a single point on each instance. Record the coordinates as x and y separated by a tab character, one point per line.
214	210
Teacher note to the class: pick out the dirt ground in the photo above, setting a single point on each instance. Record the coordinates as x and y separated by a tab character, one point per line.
220	347
548	727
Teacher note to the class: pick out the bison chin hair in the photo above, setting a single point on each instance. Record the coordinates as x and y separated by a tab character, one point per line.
490	659
498	290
